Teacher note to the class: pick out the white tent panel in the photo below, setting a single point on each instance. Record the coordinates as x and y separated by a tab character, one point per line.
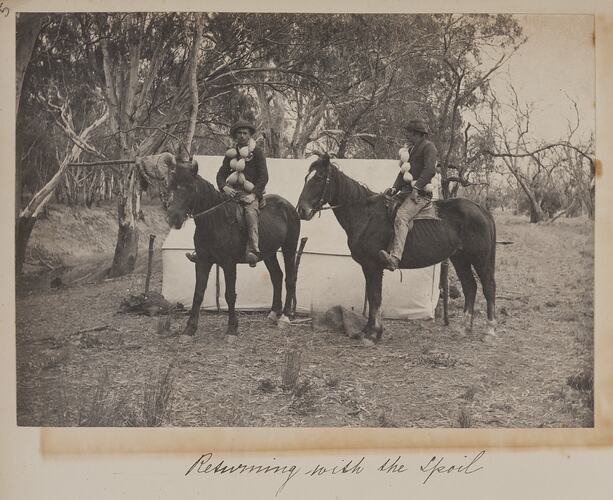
327	275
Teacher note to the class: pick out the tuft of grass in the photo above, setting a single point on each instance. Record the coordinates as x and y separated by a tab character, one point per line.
266	385
157	398
98	413
163	325
582	381
304	398
465	420
436	359
291	369
385	420
333	381
470	393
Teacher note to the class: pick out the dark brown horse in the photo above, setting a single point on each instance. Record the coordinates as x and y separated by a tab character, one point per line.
220	239
466	233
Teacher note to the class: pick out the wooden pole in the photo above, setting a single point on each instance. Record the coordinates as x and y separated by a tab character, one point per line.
149	263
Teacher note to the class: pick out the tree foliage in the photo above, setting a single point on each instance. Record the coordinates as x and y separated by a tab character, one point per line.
177	81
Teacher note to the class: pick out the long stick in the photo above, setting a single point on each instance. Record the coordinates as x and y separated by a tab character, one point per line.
303	242
101	163
149	263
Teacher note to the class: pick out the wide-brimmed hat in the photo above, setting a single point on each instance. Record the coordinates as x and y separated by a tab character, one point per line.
242	124
417	125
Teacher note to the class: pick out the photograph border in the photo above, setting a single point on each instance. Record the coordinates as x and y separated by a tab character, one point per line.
171	440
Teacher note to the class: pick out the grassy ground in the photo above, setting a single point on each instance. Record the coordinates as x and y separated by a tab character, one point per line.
80	362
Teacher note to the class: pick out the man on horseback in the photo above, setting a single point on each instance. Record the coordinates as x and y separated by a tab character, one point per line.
423	157
243	175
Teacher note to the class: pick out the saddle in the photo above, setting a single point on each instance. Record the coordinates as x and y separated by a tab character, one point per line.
392	203
237	216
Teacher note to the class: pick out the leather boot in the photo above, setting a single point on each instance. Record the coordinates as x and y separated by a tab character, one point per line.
390	262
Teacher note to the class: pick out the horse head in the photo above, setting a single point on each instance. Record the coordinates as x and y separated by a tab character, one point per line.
317	189
182	190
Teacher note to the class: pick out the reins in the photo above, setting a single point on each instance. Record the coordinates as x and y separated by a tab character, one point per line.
200	214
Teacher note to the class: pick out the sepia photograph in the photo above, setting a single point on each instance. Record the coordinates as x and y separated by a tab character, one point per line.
305	220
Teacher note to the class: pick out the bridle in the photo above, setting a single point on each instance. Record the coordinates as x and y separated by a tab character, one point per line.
319	206
190	215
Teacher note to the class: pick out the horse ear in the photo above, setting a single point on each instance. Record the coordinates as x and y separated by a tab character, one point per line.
194	166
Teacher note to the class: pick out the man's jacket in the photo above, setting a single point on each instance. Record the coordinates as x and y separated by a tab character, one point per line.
255	172
423	165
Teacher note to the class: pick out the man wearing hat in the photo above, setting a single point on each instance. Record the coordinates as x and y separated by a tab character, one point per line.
423	157
256	174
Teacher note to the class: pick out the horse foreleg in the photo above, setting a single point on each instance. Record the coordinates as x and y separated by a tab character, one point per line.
289	258
374	285
203	268
229	272
276	277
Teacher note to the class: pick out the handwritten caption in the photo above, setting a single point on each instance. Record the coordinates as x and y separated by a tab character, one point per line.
4	10
430	468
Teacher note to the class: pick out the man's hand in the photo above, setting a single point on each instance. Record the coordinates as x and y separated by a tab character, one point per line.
389	192
230	191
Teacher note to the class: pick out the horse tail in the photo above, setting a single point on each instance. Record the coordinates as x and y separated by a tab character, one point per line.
492	255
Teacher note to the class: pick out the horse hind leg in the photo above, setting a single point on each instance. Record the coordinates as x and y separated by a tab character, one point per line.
374	284
289	249
464	271
488	283
276	277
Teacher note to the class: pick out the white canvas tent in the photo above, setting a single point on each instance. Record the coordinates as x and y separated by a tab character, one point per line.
327	276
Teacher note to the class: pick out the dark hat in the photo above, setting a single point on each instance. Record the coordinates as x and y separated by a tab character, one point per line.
242	124
417	125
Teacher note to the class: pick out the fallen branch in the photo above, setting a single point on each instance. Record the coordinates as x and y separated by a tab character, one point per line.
94	329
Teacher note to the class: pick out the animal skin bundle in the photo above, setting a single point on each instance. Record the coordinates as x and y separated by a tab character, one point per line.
238	158
404	154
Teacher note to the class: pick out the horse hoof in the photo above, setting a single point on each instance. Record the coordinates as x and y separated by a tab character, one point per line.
283	322
273	317
366	342
490	338
189	331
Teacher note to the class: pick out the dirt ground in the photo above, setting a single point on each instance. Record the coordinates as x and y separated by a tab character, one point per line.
81	362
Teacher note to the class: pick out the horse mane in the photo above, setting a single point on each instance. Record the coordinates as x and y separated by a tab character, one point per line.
349	189
207	189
